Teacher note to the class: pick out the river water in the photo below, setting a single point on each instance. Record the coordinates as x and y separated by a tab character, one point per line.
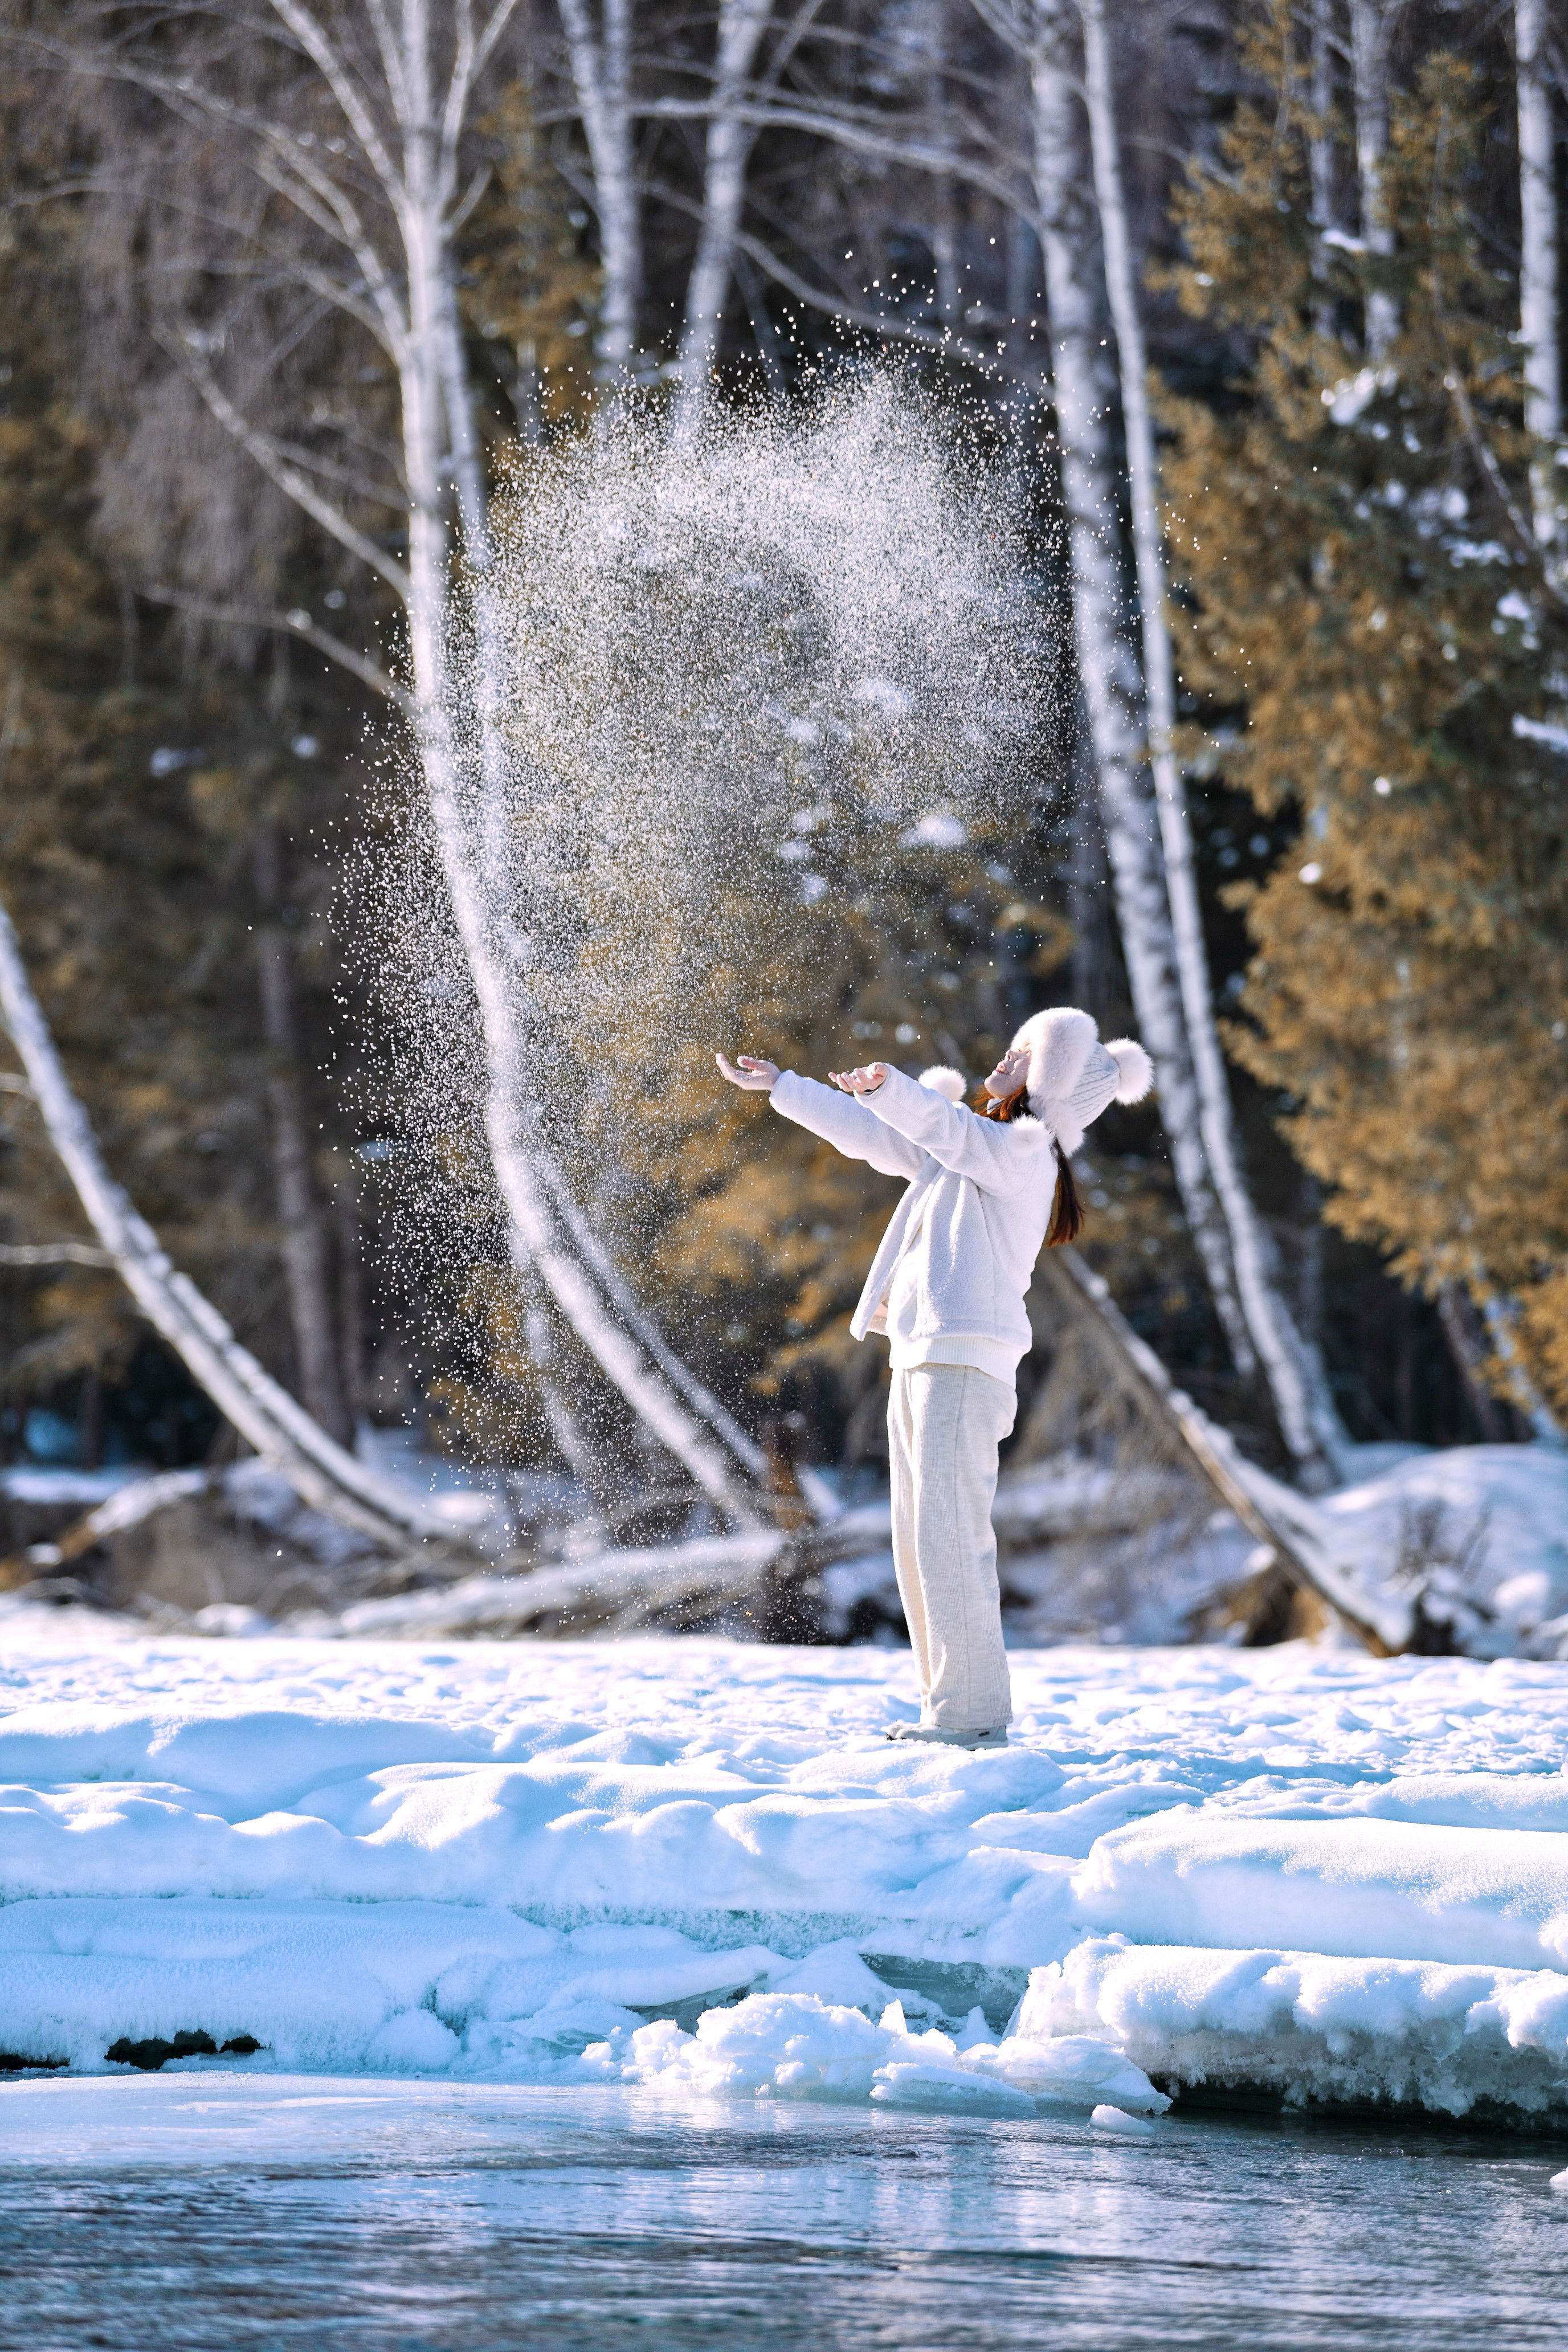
188	2210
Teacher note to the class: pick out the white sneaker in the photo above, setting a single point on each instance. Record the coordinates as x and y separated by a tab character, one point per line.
934	1735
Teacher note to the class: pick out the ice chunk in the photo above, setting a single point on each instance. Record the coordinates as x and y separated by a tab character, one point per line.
1116	2119
835	1973
1075	2068
947	2089
412	2042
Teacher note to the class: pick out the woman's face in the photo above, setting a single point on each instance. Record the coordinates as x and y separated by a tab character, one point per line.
1010	1074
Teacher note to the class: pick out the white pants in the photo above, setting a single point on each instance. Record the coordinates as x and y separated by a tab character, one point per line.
944	1424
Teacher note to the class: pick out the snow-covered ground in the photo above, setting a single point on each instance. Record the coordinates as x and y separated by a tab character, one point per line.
698	1864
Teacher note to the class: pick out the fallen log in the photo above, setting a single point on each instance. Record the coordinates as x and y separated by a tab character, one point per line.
127	1509
1283	1522
141	1499
323	1473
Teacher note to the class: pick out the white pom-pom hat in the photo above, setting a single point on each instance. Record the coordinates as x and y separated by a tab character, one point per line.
1072	1076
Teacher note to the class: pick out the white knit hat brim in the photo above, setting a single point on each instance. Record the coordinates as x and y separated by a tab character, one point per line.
1073	1078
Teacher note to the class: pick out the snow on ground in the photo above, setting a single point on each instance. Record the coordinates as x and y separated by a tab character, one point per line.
696	1864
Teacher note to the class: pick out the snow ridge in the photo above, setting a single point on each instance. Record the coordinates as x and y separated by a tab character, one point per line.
699	1866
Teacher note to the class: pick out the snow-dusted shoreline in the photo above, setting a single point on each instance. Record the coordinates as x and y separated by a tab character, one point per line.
696	1864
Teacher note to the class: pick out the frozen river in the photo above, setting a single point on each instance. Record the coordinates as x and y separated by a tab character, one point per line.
189	2211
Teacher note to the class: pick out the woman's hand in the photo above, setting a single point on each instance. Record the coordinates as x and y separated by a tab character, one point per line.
1011	1073
859	1082
755	1078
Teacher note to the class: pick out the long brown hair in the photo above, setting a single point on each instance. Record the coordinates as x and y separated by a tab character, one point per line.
1066	1211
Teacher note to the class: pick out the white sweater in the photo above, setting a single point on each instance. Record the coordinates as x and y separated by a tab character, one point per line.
947	1285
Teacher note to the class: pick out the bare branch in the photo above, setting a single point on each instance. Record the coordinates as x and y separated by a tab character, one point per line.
289	169
855	130
53	1253
288	268
458	91
293	624
1006	22
500	18
287	477
381	315
335	212
795	32
391	58
377	493
469	198
333	68
819	298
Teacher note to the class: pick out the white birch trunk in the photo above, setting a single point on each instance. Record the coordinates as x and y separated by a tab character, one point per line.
1369	71
470	825
1538	267
1307	1420
320	1470
601	76
1320	149
943	209
1084	389
741	24
1499	1312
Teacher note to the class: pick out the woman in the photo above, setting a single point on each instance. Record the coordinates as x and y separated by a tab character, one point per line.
987	1186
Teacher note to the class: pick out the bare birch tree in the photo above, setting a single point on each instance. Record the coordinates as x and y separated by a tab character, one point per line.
1371	23
601	62
944	219
1308	1421
1321	144
1084	389
1538	321
404	91
741	24
303	1242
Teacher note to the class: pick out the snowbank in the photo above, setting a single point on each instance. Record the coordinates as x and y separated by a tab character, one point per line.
431	1987
1303	2027
1498	1896
698	1864
332	1984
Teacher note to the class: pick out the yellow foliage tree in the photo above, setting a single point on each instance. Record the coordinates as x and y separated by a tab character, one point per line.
1360	583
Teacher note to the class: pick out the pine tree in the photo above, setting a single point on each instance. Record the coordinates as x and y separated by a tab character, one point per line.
1366	594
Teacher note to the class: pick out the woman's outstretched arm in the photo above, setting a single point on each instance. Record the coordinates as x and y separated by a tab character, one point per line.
848	1126
999	1159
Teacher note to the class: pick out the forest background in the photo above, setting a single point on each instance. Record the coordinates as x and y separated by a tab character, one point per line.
1321	237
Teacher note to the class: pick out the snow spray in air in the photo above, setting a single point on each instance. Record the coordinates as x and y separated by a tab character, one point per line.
706	700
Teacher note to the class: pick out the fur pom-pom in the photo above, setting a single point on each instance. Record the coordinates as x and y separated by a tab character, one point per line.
945	1081
1137	1070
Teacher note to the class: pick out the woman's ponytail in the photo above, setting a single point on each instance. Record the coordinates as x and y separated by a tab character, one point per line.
1066	1215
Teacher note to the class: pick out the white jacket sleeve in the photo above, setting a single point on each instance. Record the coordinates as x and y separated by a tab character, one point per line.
999	1159
847	1124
